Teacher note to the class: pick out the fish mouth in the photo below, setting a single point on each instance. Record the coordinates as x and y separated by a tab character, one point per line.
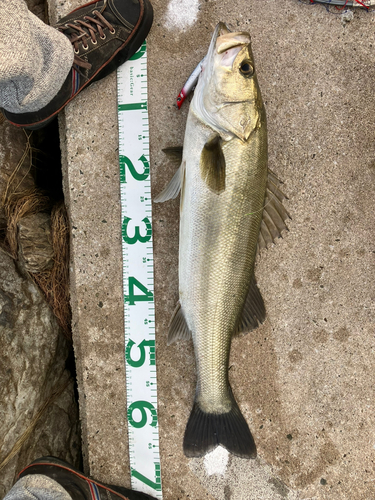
221	29
230	103
223	39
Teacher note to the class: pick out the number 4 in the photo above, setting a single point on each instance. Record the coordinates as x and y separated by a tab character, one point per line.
132	298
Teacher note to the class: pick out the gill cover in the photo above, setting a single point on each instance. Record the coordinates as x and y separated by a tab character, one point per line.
227	97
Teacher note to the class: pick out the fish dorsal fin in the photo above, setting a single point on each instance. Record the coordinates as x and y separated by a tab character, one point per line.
254	311
212	164
178	329
274	213
170	192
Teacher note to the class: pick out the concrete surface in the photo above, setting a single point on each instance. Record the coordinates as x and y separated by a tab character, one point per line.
305	379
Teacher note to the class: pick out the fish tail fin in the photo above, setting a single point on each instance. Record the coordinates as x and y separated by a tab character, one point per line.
205	431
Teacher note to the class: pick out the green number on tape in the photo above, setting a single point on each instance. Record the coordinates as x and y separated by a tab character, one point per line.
132	298
139	53
142	406
133	106
138	176
155	485
142	356
137	235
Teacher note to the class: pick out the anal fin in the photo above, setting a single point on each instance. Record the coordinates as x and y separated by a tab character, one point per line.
178	328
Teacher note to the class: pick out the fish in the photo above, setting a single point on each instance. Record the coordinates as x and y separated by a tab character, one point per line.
230	208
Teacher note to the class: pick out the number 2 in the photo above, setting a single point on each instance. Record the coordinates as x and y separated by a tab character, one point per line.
138	176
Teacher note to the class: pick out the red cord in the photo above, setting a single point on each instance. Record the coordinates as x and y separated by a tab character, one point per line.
363	5
346	1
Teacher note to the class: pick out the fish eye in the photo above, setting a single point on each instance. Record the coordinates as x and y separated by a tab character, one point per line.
246	68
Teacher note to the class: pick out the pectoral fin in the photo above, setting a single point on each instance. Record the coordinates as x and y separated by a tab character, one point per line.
274	213
254	311
178	329
212	164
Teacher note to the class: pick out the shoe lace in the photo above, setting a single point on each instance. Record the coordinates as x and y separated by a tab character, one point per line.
80	31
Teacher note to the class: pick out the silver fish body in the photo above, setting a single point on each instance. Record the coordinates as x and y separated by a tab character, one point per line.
218	241
223	179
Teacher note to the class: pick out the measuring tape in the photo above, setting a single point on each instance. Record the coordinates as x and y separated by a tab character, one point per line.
138	275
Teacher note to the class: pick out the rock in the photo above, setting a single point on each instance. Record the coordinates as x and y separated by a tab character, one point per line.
39	8
37	400
35	242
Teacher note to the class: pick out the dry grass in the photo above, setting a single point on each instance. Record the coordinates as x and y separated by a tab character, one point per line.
29	202
18	202
55	282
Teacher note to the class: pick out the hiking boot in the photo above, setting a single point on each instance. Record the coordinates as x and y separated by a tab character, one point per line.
104	34
78	486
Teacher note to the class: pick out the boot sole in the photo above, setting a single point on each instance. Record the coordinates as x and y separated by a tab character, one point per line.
119	491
